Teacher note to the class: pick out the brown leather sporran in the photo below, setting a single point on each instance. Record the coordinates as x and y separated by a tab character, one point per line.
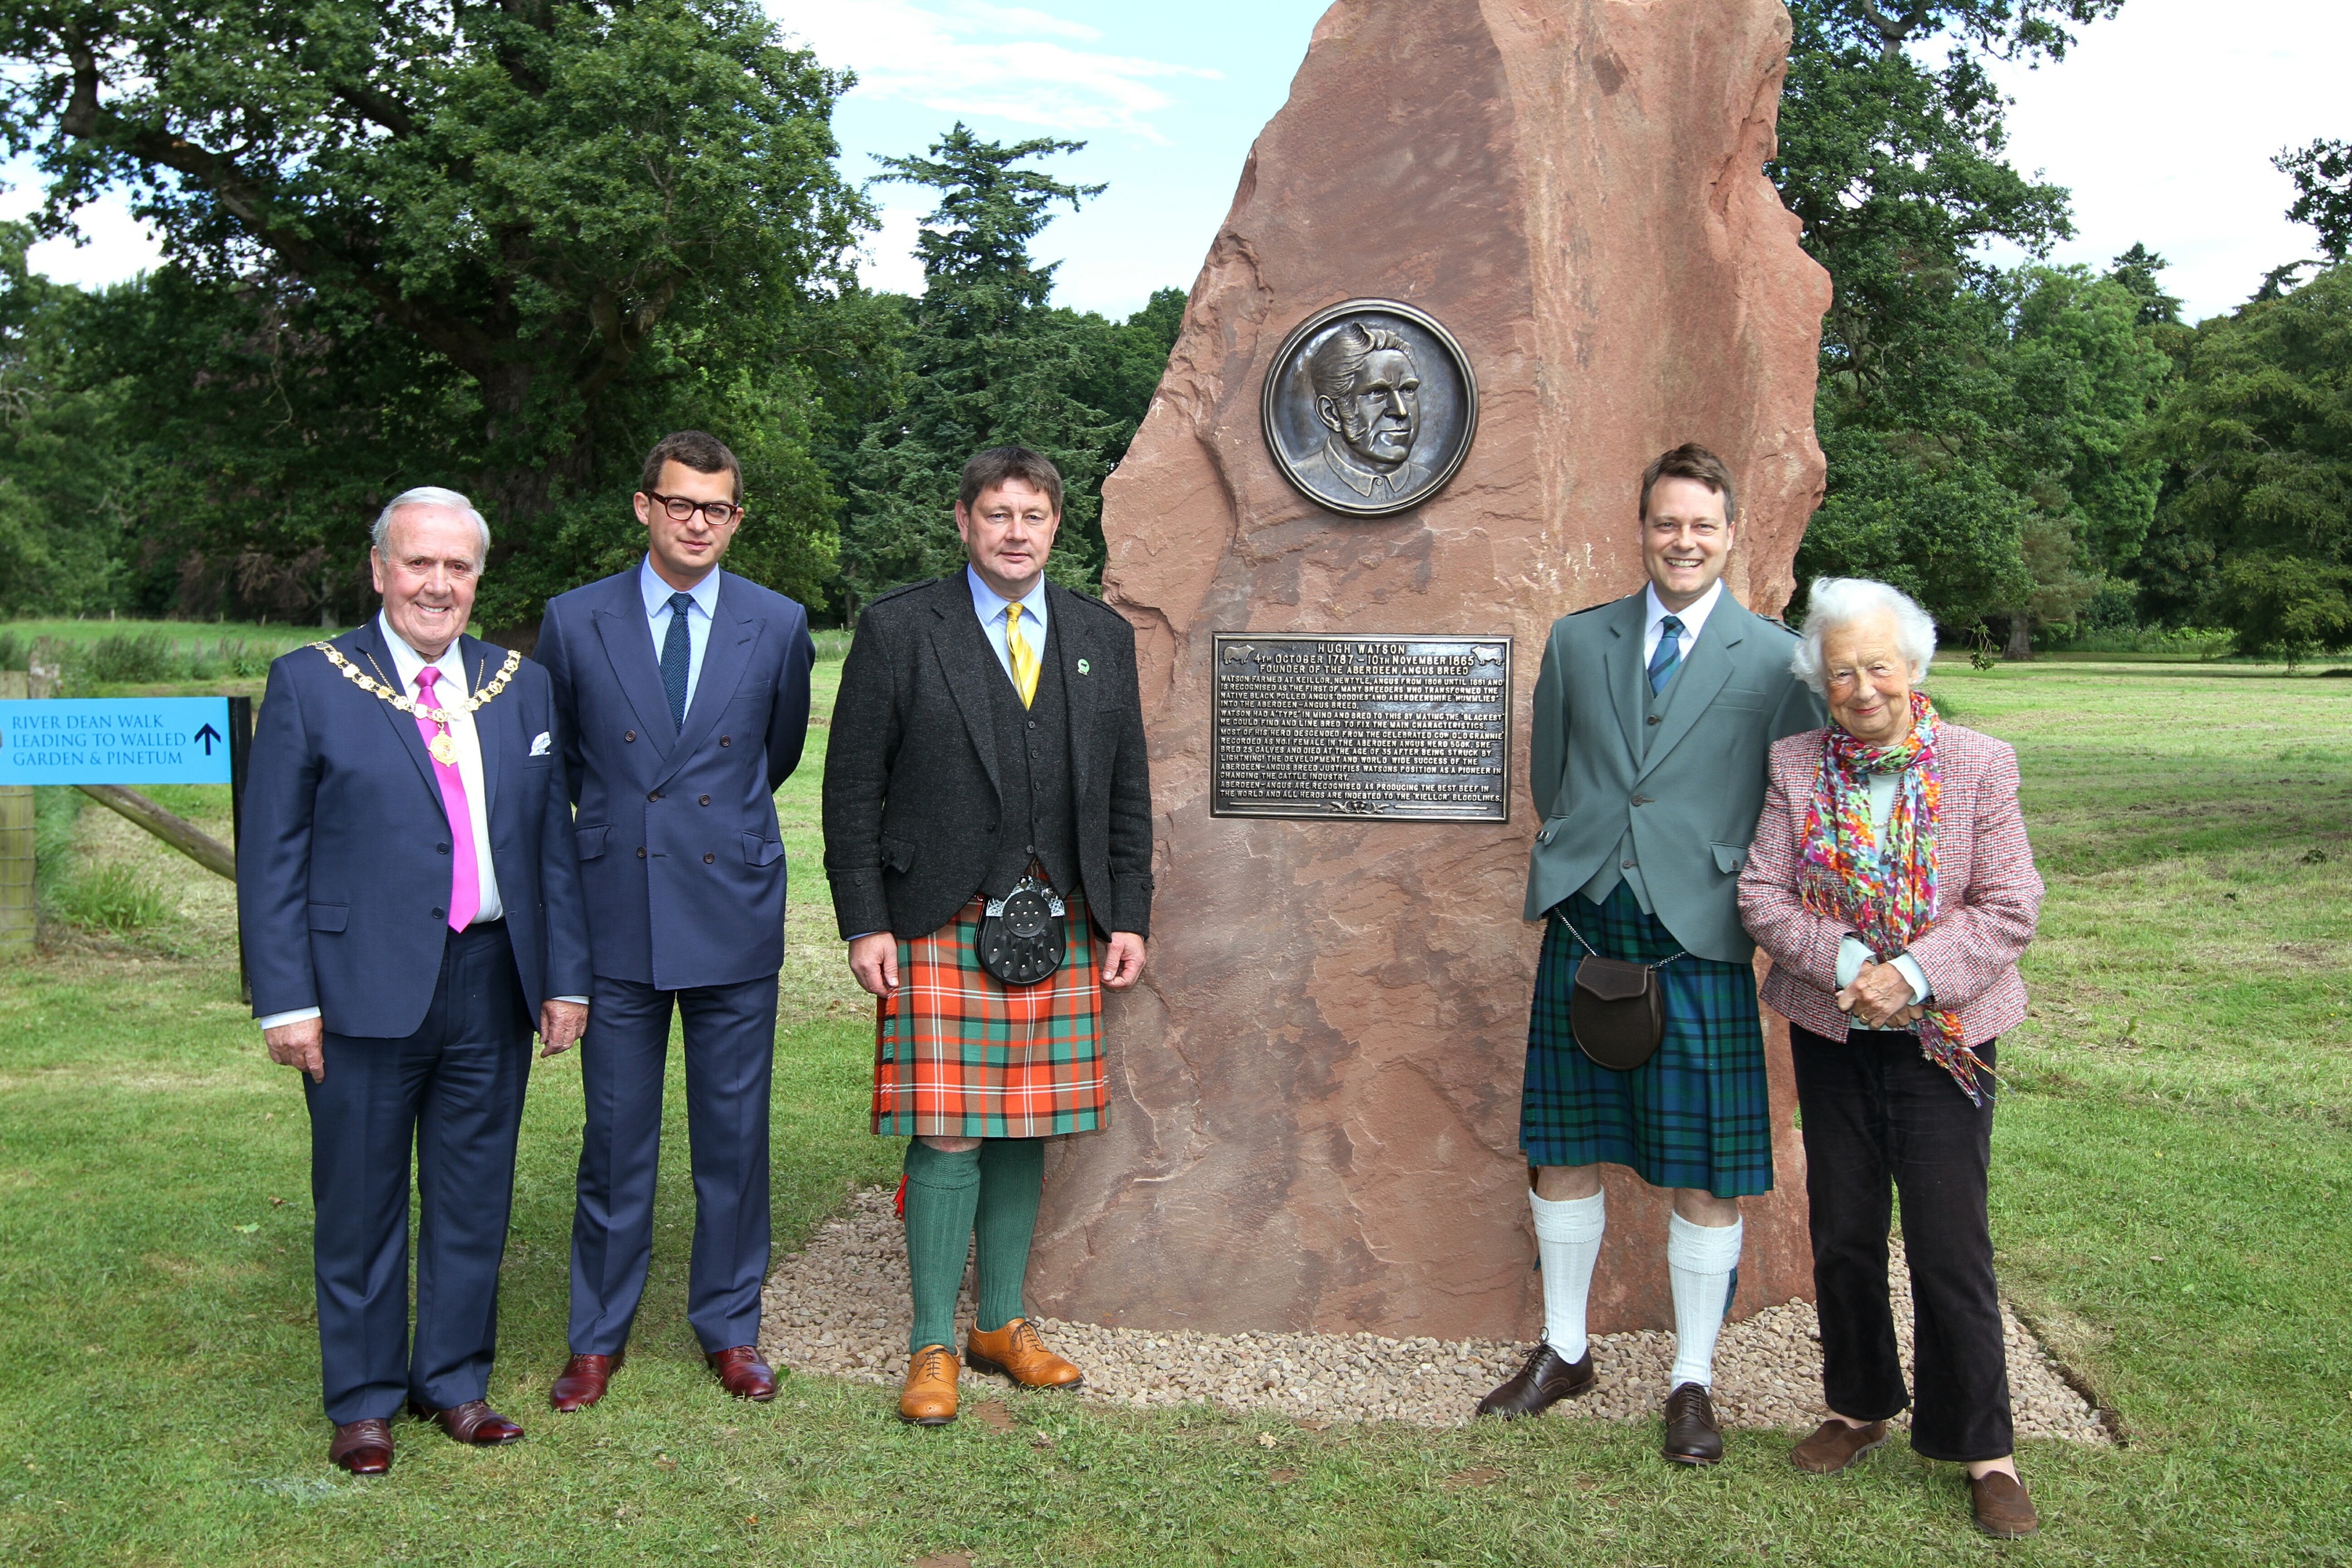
1617	1009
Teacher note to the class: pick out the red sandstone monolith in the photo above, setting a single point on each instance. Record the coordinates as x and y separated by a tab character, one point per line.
1315	1091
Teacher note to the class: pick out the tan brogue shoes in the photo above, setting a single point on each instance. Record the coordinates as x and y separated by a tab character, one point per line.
1015	1352
929	1397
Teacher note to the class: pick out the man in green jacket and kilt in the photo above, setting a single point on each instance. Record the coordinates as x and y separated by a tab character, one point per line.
988	834
1653	718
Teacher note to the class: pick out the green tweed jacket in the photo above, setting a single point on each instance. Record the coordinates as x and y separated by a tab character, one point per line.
1689	791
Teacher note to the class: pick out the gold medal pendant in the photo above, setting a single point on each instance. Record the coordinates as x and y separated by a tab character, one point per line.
443	749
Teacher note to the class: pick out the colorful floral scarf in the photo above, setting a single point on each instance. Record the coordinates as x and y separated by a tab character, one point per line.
1881	881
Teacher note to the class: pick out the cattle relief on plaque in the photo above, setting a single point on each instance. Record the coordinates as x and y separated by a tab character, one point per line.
1370	407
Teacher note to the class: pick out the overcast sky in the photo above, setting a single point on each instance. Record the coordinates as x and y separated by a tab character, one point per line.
2162	122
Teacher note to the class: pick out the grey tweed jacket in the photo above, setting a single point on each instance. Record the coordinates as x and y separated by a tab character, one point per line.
1690	789
911	798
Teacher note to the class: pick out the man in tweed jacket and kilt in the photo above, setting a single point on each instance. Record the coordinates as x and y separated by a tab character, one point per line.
1653	716
989	730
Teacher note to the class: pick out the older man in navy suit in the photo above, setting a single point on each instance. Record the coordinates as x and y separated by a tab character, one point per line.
684	696
409	903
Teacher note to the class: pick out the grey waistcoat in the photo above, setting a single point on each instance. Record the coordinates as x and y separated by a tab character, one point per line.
1033	746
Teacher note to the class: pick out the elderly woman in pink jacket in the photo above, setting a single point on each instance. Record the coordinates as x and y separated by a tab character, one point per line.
1892	884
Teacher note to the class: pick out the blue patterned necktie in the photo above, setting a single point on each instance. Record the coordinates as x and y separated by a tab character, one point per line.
1669	657
678	653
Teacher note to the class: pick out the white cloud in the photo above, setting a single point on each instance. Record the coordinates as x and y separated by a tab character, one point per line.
964	58
889	264
1020	19
2163	122
117	247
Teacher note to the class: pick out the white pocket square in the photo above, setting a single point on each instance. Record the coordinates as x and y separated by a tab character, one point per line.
539	747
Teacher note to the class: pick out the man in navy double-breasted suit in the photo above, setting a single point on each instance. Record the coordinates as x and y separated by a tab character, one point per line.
409	905
684	692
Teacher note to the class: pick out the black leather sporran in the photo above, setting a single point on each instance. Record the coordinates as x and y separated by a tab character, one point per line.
1020	938
1617	1009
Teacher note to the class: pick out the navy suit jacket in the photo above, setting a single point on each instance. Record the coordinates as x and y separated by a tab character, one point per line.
679	851
343	869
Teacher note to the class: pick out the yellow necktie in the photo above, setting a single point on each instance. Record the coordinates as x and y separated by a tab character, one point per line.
1025	662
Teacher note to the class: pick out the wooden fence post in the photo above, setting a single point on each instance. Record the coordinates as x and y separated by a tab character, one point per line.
19	898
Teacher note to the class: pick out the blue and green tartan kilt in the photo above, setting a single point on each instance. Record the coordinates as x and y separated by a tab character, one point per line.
1696	1114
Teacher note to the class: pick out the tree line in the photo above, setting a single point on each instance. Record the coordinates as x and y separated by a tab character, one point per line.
502	247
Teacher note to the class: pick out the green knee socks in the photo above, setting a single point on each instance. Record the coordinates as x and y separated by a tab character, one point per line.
1011	1177
991	1191
942	1190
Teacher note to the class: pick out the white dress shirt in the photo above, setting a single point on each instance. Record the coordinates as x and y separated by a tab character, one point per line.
1692	620
988	605
1854	953
705	594
453	686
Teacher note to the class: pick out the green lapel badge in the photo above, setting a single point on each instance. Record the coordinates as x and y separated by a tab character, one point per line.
1084	667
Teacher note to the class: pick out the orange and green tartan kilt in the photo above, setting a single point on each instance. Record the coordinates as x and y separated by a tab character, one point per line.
959	1054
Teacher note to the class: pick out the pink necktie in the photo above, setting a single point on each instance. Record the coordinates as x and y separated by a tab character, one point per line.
464	874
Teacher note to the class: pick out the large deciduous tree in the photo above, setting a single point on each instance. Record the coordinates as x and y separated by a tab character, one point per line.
2322	173
64	484
581	222
2254	532
1973	457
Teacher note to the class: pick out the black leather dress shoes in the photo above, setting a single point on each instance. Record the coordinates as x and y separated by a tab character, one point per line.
1692	1435
1544	1382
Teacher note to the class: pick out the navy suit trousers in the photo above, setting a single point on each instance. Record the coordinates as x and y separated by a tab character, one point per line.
730	1041
454	1091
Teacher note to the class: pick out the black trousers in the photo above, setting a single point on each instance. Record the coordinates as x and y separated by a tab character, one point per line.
730	1052
454	1090
1880	1118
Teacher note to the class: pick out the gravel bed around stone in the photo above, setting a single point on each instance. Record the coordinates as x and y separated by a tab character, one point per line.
840	1308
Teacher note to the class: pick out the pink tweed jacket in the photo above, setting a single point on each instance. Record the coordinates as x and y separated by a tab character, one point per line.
1988	893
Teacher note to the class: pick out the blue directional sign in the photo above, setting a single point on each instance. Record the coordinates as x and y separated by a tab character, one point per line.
115	740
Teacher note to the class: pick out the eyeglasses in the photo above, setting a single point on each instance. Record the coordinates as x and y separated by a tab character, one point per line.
717	513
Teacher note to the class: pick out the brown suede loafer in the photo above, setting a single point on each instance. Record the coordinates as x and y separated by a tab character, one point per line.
582	1380
1544	1382
1834	1445
2001	1507
473	1422
363	1448
742	1373
1692	1435
1015	1352
929	1397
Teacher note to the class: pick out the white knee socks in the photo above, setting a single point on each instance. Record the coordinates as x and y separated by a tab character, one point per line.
1568	1240
1703	1261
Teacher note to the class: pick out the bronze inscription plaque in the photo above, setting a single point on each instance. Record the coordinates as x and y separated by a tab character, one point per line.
1409	729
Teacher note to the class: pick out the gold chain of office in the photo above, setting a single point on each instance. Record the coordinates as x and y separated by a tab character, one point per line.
408	704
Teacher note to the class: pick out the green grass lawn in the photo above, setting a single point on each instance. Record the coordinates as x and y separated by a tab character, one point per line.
2168	1189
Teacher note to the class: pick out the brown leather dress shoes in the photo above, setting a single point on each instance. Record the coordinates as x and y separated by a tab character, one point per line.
1015	1352
363	1448
742	1373
1544	1382
929	1397
2001	1506
1834	1445
473	1422
584	1381
1692	1435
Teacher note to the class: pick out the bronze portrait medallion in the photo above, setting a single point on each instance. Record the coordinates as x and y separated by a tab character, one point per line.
1370	407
